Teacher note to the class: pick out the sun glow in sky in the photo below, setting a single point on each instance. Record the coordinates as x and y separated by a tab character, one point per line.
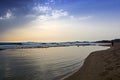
59	20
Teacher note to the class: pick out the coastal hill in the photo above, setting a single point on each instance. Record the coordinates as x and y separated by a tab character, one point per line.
108	41
100	65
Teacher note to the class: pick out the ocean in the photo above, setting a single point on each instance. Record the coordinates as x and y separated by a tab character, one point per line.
43	63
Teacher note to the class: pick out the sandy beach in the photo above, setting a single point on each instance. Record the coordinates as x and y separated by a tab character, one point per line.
100	65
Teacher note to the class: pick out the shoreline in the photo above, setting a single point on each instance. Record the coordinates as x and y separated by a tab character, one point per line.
47	45
100	65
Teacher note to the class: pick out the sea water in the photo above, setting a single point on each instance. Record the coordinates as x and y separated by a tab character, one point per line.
43	63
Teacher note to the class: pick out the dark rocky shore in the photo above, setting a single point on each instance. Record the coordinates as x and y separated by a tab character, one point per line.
100	65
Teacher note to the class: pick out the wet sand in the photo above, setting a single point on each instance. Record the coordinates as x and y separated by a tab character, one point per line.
100	65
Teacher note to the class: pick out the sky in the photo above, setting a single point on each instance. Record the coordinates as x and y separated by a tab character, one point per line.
59	20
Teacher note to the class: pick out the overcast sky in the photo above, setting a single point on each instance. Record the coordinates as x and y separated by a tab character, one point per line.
59	20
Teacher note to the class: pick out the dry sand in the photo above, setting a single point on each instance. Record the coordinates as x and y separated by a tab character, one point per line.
100	65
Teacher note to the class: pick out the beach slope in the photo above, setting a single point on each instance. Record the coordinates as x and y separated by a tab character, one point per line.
100	65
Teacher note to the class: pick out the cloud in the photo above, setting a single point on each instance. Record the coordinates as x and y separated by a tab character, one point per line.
80	18
47	10
59	13
47	13
85	18
41	9
12	13
8	15
20	13
50	2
